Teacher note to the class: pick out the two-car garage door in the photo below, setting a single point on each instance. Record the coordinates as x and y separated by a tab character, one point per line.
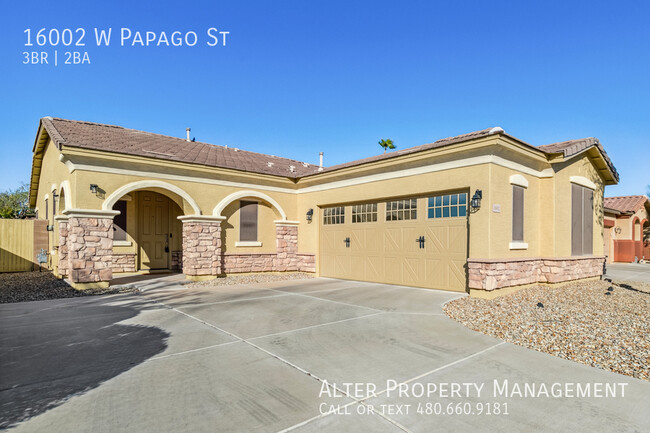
419	242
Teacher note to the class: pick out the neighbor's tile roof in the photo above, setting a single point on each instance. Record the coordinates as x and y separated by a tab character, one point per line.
573	147
116	139
626	203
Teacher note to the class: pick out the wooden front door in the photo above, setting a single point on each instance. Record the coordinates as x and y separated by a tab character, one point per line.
154	231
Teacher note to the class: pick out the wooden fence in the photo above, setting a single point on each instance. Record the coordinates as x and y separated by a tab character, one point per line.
20	241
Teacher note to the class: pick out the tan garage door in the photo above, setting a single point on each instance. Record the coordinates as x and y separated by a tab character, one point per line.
379	242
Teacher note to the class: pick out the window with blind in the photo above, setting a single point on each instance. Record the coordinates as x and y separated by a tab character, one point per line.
517	213
119	221
582	220
248	221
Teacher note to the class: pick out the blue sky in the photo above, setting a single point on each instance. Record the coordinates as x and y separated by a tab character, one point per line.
299	77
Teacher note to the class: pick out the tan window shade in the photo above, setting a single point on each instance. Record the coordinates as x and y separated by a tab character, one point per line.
582	220
119	221
517	213
248	221
588	221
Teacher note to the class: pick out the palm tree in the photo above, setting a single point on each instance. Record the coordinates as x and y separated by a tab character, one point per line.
386	144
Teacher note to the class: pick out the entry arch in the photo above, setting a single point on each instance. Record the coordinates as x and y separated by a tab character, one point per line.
110	201
218	209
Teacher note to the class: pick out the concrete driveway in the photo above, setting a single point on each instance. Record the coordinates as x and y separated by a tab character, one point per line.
629	272
266	358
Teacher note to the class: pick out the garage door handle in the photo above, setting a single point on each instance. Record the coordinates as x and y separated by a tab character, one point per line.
347	242
420	240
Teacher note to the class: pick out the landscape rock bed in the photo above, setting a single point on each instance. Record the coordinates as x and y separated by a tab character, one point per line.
253	278
39	286
598	323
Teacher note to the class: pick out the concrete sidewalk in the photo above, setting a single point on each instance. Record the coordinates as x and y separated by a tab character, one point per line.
259	357
629	272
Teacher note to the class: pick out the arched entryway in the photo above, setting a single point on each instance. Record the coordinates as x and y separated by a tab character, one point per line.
147	234
148	231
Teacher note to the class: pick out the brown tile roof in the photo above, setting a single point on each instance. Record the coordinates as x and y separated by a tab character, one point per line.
626	203
423	147
573	147
116	139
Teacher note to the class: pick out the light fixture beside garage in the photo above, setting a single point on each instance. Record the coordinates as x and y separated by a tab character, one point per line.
476	200
93	188
310	215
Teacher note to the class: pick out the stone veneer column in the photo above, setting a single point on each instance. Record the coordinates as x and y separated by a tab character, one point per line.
89	247
286	234
64	263
201	246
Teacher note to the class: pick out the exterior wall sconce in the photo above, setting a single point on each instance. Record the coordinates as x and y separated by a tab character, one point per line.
93	188
310	214
476	200
617	230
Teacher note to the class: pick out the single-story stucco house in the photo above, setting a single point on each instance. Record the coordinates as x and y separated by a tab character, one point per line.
483	212
626	218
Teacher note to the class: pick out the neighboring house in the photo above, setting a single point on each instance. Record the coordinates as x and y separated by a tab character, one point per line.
626	218
476	212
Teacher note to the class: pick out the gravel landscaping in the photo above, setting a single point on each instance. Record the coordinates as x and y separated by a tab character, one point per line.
233	279
598	323
39	286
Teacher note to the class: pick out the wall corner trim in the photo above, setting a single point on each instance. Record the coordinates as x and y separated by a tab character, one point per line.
248	244
90	213
579	180
518	245
517	179
200	218
286	223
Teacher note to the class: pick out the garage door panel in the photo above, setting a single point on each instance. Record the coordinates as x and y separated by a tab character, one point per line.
457	275
435	240
374	269
392	269
409	236
357	241
392	240
413	271
342	266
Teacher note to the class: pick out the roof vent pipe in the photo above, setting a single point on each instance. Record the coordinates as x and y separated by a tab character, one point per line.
187	130
321	160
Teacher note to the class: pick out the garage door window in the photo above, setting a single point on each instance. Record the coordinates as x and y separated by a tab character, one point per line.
401	210
364	213
447	206
334	215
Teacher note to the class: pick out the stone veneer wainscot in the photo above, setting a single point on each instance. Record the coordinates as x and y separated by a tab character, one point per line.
501	273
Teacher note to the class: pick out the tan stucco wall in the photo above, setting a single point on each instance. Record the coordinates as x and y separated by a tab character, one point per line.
53	172
547	213
579	165
265	228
